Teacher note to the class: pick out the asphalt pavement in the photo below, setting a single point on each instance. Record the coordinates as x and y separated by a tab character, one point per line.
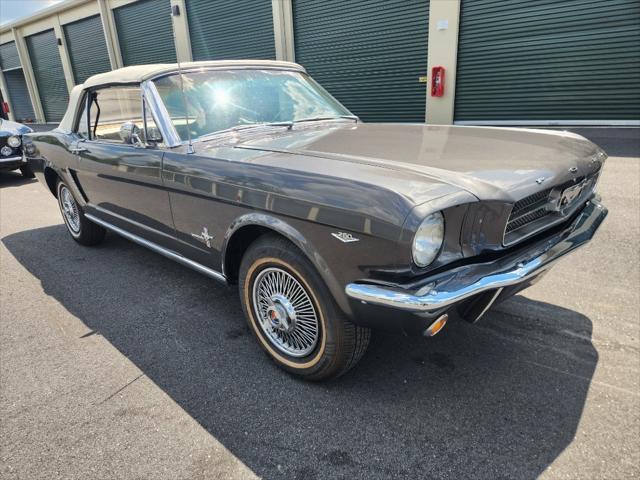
117	363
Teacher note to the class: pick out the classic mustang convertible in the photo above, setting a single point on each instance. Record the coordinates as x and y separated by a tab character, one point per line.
251	173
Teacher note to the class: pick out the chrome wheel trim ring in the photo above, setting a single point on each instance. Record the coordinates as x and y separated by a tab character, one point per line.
285	312
70	210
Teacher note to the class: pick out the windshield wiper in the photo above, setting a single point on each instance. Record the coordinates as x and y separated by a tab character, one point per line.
247	126
286	123
319	119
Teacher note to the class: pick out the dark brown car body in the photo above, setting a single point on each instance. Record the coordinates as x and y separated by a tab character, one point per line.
375	182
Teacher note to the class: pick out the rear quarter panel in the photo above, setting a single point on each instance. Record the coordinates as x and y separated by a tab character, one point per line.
52	151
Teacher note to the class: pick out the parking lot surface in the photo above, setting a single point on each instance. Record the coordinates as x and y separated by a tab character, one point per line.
118	363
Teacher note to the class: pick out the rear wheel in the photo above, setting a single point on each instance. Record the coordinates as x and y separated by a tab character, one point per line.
293	315
81	229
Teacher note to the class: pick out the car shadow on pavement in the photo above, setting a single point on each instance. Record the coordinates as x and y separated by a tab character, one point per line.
501	399
14	179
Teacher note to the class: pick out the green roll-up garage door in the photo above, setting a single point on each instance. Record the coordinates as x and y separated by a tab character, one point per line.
145	32
19	99
87	48
9	56
47	69
369	55
231	29
19	95
548	60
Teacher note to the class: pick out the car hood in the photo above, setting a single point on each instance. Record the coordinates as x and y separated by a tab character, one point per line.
490	163
8	128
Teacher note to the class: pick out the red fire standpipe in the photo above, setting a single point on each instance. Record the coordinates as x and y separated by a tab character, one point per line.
437	81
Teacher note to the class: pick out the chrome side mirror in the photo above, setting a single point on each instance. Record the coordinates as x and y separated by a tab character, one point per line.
130	134
153	134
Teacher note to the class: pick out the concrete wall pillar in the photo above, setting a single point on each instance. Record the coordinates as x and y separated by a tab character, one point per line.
283	29
67	68
181	31
110	33
27	70
444	16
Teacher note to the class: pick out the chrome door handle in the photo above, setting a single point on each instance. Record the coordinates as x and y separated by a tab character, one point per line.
79	149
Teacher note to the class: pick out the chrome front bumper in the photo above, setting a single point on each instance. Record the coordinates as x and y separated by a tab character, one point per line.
470	280
11	159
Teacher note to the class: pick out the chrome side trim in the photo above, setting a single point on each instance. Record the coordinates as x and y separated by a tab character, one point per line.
461	284
129	221
158	249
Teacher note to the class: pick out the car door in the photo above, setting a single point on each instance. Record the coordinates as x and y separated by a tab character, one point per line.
119	173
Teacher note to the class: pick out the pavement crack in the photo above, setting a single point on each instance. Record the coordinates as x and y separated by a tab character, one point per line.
120	389
583	378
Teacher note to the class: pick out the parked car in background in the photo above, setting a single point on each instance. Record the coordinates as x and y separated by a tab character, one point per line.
11	157
251	173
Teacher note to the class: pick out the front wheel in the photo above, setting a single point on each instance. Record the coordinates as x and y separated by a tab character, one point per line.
81	229
293	315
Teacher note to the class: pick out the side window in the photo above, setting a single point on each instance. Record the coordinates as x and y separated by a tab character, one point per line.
110	108
83	125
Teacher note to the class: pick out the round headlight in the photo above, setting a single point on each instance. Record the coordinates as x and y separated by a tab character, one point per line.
428	239
14	141
6	151
29	148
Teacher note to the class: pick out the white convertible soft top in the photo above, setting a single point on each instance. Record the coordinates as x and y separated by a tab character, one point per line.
140	73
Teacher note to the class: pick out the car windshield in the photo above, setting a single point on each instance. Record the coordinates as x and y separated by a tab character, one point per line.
218	100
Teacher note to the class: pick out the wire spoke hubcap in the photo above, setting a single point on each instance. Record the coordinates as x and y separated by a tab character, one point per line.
285	312
70	210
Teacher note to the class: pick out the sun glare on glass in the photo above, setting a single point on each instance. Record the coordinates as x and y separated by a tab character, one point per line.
221	97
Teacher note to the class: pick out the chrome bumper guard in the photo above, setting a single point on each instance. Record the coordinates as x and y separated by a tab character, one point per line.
461	284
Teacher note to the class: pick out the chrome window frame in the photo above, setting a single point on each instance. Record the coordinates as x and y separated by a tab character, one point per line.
153	102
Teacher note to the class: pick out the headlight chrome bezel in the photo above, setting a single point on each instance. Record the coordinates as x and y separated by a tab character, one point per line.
428	240
14	141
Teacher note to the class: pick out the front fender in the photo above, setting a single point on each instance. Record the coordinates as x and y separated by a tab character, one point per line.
298	239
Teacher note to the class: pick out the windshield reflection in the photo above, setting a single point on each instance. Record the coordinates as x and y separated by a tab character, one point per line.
209	102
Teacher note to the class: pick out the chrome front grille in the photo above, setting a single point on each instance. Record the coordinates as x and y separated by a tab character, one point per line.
529	209
546	208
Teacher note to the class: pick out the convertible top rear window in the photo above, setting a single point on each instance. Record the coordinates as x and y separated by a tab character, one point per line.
216	100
